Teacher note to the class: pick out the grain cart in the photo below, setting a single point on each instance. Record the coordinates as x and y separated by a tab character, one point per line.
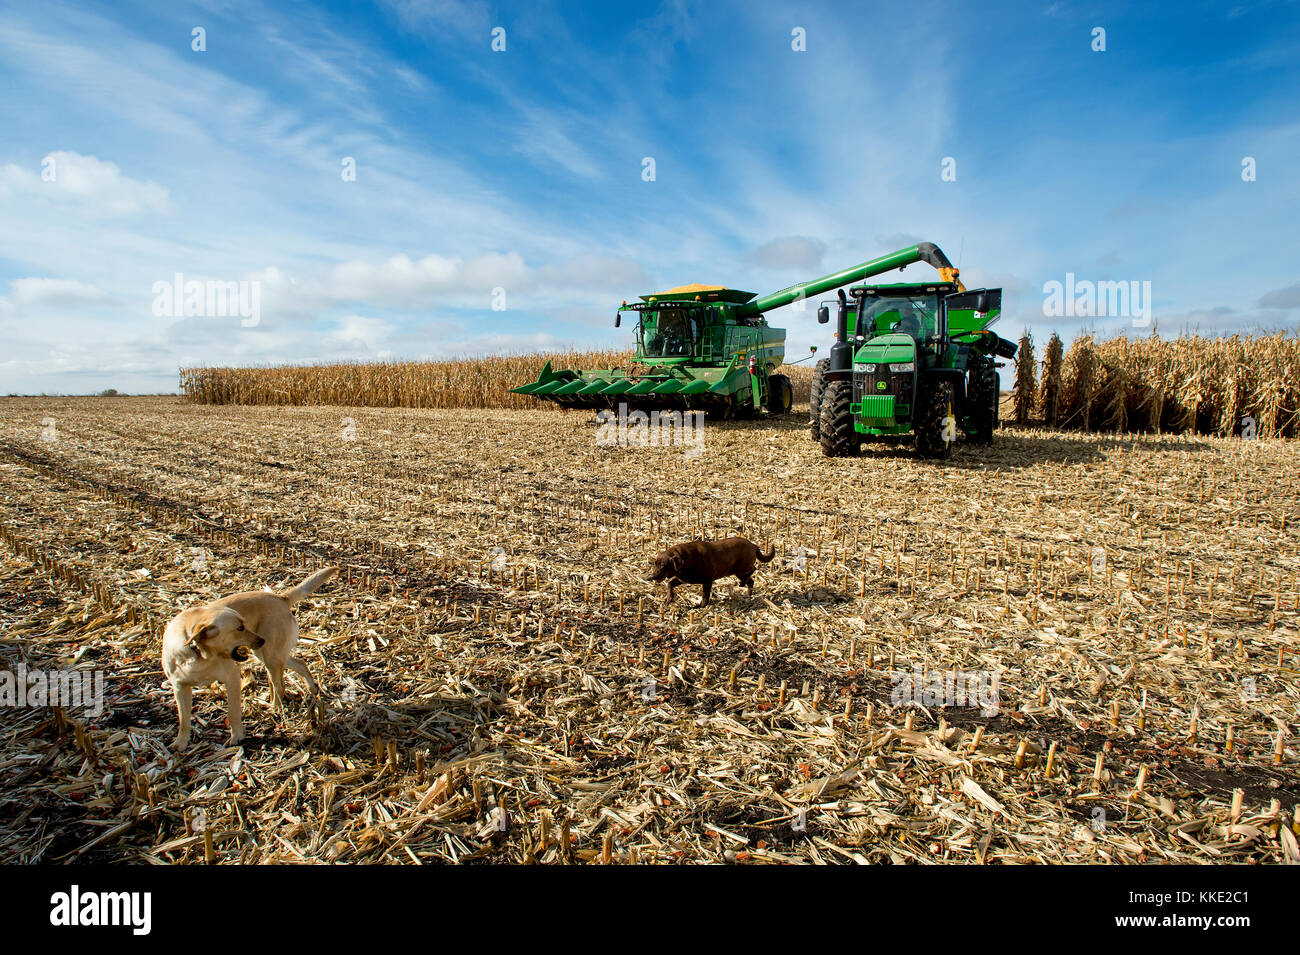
914	357
704	347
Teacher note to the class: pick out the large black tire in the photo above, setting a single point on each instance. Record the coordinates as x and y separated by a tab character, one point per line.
935	417
815	398
982	394
780	395
838	437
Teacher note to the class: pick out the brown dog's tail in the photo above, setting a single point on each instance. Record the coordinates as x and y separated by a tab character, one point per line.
308	586
771	552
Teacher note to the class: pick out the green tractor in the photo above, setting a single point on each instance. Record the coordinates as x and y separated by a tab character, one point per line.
913	357
706	347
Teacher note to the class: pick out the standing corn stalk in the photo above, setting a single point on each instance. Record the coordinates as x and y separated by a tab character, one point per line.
1080	383
1049	383
1025	368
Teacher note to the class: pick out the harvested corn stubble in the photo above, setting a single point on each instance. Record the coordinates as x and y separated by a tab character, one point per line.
951	662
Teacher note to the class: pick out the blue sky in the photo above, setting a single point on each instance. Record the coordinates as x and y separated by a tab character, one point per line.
522	170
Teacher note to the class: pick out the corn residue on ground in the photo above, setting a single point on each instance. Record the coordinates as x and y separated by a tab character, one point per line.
502	684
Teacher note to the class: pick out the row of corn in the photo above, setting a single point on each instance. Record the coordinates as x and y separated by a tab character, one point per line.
1236	384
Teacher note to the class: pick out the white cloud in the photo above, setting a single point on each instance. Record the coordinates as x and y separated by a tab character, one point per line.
358	330
55	292
405	282
94	186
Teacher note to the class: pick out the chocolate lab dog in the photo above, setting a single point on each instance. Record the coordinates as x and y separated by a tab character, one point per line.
703	562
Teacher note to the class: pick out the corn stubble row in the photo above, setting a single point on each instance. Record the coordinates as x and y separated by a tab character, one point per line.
1224	385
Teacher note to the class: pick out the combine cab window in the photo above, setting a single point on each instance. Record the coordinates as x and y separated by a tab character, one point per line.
671	333
915	315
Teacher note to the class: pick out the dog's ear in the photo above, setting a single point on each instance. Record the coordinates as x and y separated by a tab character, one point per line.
199	637
675	562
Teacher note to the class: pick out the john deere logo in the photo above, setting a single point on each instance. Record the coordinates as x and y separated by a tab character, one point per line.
881	385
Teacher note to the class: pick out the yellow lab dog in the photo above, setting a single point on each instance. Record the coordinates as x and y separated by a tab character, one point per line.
206	644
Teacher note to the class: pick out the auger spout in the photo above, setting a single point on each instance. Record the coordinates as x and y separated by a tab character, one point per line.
922	252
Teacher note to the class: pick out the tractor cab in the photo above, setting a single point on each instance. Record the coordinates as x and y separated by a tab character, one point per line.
916	311
909	315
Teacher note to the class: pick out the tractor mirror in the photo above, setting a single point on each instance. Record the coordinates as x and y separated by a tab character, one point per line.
823	315
618	319
981	302
812	350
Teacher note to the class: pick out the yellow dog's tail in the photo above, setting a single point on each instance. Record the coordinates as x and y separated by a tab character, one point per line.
308	586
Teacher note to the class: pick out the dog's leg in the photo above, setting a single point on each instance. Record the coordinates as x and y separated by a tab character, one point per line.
293	663
234	705
671	584
748	582
184	699
708	589
275	669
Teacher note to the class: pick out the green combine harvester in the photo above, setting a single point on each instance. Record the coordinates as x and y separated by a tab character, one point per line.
699	347
915	357
709	348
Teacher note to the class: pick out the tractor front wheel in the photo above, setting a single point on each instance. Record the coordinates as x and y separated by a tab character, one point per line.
936	425
780	395
815	397
838	437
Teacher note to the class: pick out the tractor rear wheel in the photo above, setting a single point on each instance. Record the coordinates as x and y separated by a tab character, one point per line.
780	395
815	398
838	437
983	394
936	427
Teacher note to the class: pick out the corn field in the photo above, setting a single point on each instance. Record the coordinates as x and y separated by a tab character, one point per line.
1191	383
472	382
458	383
461	383
1222	386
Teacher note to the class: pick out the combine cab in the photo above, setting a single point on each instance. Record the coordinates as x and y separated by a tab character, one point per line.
706	347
